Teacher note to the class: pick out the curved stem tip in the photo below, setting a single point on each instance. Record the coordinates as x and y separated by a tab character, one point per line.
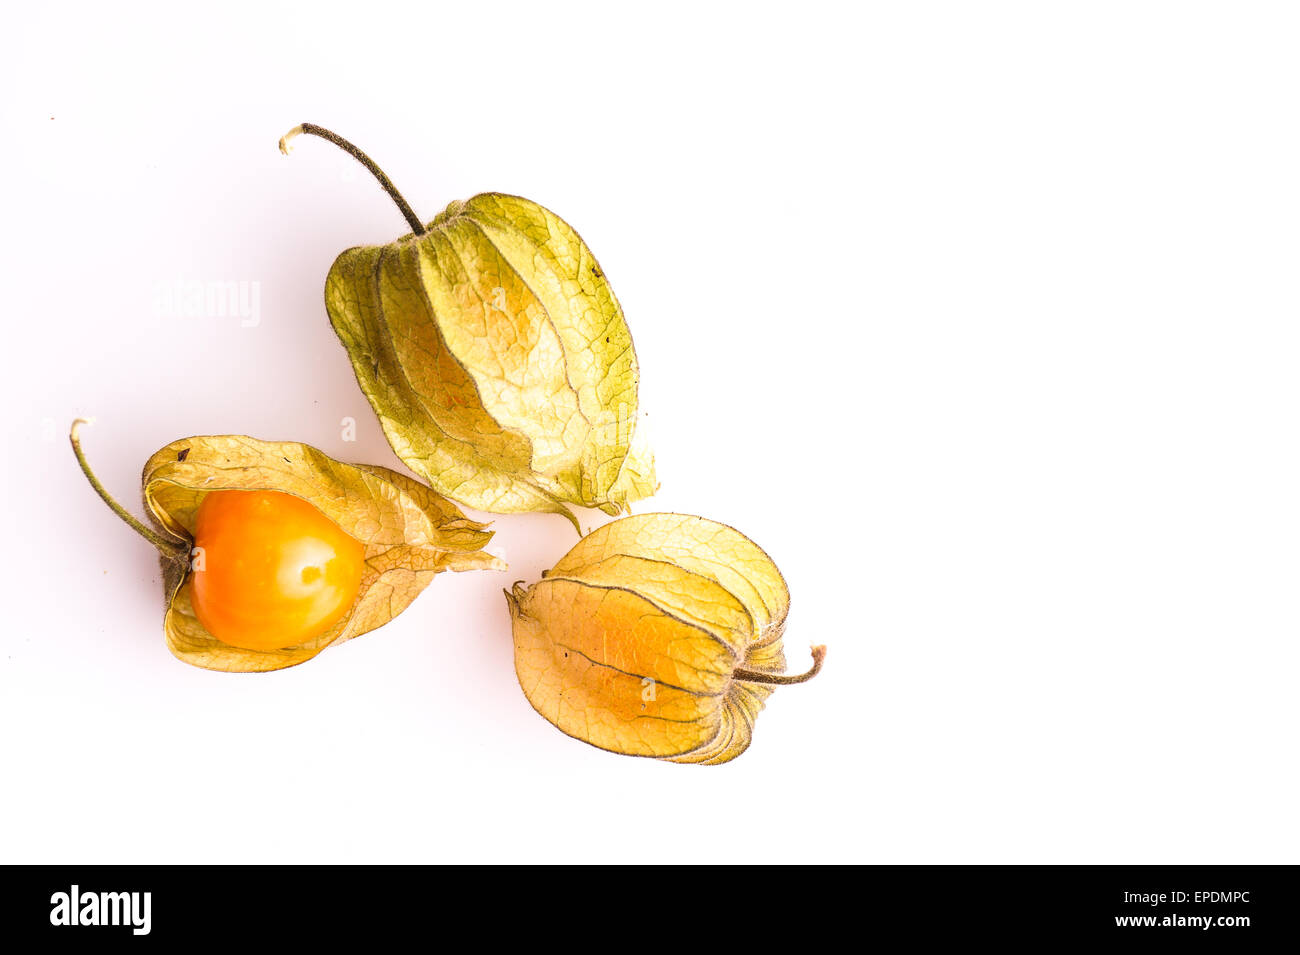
166	546
784	679
311	129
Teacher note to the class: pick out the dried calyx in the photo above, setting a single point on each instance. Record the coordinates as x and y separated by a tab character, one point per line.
657	635
408	533
492	349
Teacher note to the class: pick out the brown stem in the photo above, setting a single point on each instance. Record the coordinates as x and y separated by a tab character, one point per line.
311	129
168	547
783	679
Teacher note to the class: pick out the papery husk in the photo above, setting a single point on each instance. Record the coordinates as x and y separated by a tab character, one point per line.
649	637
497	359
410	533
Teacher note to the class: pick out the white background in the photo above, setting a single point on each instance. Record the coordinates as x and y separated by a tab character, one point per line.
981	319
